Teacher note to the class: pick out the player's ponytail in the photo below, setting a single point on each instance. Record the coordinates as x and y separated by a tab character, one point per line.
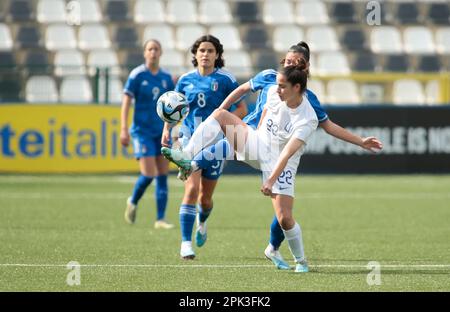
297	74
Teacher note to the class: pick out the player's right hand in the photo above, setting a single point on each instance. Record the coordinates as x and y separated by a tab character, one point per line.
124	137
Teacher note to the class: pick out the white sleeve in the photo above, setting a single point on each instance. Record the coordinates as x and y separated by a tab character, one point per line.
305	131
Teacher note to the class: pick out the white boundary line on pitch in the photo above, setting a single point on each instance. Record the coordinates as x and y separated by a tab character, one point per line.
116	195
345	266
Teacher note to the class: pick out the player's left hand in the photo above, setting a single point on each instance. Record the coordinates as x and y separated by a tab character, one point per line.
372	144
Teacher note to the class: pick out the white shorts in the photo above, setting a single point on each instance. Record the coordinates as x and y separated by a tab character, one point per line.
260	156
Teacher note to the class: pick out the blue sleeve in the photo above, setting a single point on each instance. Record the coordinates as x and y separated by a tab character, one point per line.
130	86
320	112
262	79
178	86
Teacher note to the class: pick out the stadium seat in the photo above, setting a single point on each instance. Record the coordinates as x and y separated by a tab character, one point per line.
322	38
7	60
343	12
90	11
103	59
285	36
181	11
2	11
443	40
408	92
117	10
396	63
342	91
37	62
247	12
214	12
149	11
432	92
93	36
386	39
76	90
418	40
126	38
21	11
364	62
161	32
439	13
69	63
318	88
133	59
407	13
276	12
187	34
6	42
51	11
354	39
173	62
264	59
228	36
238	63
311	12
10	87
41	89
256	37
332	63
115	91
429	63
60	36
28	37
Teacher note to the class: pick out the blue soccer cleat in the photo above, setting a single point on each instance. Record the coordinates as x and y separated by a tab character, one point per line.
200	233
301	267
276	258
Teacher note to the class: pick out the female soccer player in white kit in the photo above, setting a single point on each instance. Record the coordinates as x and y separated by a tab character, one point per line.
275	147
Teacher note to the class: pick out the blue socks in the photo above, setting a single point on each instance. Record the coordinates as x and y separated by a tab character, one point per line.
139	188
208	156
203	213
276	233
187	219
161	191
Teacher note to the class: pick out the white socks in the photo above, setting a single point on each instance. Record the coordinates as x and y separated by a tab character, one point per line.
295	241
205	135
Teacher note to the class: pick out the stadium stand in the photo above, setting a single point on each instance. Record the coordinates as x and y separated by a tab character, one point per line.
41	89
413	38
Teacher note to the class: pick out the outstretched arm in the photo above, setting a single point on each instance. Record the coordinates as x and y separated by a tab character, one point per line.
290	149
234	96
369	143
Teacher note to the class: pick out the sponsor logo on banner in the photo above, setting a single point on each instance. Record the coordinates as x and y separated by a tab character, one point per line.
41	139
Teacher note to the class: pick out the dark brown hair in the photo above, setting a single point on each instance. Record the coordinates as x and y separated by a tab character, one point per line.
297	74
220	62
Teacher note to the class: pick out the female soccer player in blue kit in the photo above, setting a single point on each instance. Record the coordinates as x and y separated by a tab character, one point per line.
145	84
205	89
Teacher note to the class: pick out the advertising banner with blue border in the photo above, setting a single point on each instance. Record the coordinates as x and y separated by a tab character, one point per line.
62	139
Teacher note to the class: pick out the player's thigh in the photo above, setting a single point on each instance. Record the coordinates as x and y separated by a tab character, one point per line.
191	188
147	166
234	128
282	205
162	165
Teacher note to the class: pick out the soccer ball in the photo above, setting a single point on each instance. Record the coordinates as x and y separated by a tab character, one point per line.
172	107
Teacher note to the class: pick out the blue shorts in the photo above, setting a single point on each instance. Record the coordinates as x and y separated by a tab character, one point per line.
214	171
146	146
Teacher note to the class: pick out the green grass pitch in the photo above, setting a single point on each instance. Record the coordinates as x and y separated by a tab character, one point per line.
402	222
